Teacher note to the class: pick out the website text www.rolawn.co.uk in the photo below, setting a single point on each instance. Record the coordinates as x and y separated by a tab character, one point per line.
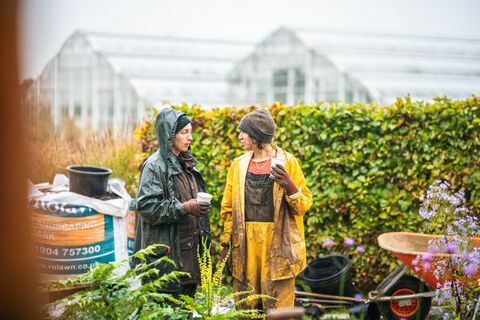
68	267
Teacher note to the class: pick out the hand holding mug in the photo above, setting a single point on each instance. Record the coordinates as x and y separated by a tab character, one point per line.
196	209
281	176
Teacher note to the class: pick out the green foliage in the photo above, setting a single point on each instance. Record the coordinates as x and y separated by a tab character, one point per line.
213	301
116	293
366	165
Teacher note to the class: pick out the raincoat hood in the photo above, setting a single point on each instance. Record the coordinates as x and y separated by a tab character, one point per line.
165	127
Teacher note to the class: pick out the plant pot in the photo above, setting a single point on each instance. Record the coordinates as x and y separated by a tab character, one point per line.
90	181
321	268
331	275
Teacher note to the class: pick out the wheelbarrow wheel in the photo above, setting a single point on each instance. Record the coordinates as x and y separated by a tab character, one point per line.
411	309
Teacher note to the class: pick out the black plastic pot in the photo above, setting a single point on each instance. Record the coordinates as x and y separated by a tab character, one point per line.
331	274
90	181
365	311
321	268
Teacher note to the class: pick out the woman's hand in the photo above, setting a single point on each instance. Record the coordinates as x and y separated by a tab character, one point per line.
281	176
196	209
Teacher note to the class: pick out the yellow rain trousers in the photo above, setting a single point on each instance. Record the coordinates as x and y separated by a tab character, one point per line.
258	273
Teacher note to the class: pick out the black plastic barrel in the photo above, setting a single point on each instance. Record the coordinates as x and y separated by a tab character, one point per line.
330	274
90	181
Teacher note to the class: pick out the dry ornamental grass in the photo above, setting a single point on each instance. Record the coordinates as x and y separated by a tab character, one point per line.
51	155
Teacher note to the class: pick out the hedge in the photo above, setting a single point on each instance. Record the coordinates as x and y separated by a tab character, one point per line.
366	164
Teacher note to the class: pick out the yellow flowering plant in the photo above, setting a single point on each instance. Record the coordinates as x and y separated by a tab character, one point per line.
213	300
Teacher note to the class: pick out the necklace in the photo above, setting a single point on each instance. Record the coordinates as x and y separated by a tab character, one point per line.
261	166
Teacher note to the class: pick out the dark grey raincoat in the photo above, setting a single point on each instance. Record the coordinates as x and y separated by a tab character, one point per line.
159	211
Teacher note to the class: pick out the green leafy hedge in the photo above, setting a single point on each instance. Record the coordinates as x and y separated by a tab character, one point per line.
366	165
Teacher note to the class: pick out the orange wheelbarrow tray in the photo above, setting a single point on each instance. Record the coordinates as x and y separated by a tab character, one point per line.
406	246
404	296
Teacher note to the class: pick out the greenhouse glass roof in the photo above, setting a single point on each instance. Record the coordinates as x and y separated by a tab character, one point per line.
195	70
172	68
398	65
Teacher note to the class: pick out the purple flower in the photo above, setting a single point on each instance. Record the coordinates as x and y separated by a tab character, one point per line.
358	297
466	257
426	214
349	241
450	248
427	265
433	250
361	249
470	269
415	261
442	184
426	257
327	243
475	256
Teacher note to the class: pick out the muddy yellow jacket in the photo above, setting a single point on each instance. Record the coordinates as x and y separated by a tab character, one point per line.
288	252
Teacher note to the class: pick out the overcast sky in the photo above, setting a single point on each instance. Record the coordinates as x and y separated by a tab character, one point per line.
46	24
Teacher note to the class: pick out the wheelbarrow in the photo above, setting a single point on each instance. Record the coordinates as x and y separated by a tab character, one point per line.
401	296
398	296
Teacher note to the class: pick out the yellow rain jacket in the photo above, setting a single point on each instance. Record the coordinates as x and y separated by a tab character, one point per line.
288	251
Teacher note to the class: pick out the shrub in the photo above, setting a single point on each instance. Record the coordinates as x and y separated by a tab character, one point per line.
365	164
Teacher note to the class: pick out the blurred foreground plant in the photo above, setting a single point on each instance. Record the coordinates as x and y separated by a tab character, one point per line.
118	294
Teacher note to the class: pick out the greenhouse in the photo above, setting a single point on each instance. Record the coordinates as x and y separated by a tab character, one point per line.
107	81
293	65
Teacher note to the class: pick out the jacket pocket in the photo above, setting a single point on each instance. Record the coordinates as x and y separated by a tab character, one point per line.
298	252
295	236
292	234
188	257
186	243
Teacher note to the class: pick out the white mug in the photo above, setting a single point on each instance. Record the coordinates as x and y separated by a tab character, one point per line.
204	198
275	162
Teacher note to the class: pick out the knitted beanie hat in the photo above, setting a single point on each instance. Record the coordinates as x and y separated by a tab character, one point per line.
259	125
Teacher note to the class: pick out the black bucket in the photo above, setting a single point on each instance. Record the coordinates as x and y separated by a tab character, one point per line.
365	311
90	181
330	275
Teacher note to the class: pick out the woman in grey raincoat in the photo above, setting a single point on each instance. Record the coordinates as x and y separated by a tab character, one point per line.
168	212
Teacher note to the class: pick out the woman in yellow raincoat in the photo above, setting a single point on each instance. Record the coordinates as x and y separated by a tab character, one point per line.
262	210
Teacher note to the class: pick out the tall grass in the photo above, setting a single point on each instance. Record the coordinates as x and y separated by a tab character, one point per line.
52	154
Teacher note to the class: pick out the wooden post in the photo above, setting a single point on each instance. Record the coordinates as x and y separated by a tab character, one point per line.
286	313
